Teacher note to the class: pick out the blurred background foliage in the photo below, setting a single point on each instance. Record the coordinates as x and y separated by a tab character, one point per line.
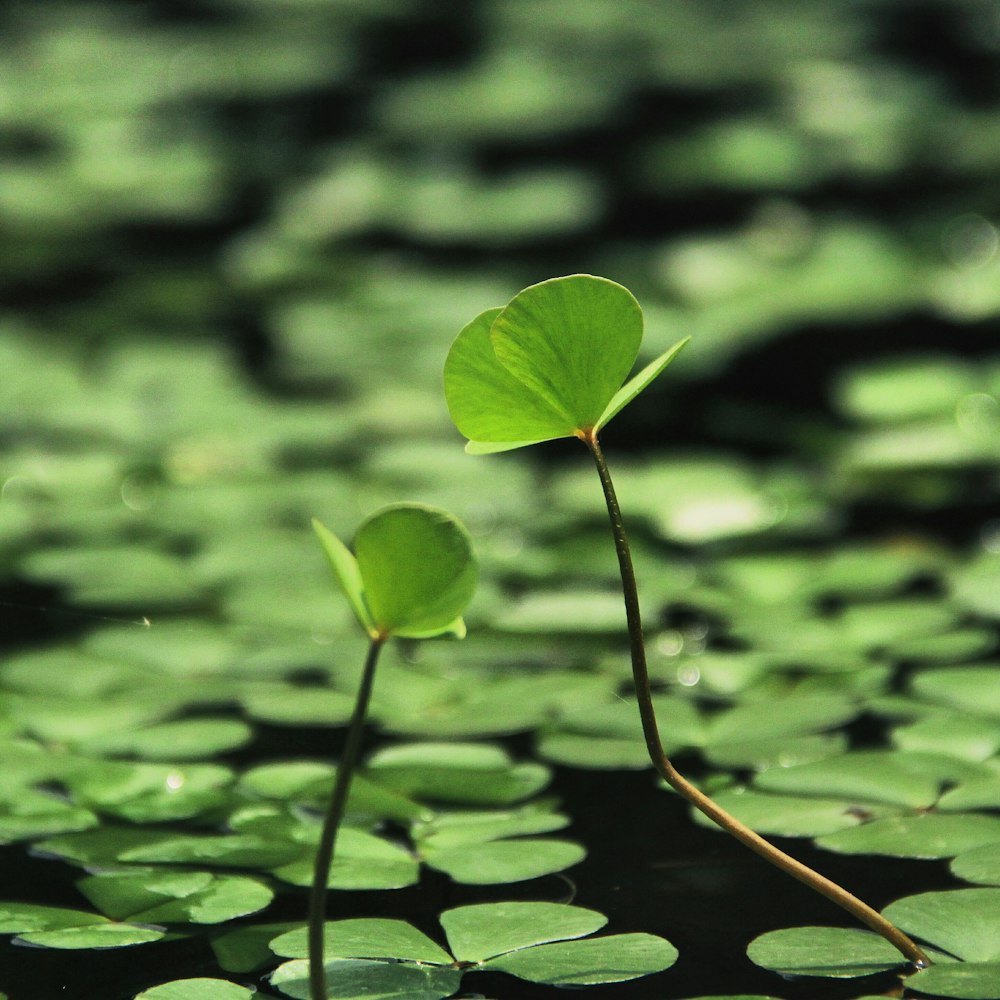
238	236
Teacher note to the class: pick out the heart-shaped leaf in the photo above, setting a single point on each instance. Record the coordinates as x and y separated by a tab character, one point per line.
412	572
550	364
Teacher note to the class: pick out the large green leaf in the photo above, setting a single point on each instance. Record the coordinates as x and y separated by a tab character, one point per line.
572	341
550	364
487	402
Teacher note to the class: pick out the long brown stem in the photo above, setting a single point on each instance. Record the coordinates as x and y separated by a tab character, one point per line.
331	823
837	894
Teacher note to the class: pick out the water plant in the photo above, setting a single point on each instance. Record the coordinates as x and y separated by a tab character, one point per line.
411	575
552	364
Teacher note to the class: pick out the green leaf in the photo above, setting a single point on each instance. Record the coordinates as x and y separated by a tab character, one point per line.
107	935
345	570
365	938
871	776
930	835
980	865
836	952
483	930
964	922
487	403
784	815
417	568
197	989
153	896
505	860
185	739
550	364
612	959
572	341
22	918
965	980
466	773
246	948
637	383
362	861
57	927
359	979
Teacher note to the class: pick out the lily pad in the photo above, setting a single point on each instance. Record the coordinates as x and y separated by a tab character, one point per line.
198	989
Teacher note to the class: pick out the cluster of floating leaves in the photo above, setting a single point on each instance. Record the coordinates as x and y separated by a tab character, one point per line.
146	478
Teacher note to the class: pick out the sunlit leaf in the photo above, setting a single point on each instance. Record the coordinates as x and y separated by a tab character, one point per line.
611	959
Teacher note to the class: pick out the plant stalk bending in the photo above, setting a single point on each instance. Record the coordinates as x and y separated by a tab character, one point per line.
334	815
837	894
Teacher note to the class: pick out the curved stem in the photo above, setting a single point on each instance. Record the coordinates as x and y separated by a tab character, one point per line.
331	823
837	894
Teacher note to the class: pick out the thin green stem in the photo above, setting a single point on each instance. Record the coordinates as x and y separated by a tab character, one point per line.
331	823
837	894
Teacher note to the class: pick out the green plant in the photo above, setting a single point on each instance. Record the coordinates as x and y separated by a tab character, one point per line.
411	575
551	364
536	941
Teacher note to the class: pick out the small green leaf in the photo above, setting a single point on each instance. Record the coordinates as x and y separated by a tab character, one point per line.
198	989
153	896
22	918
484	930
612	959
980	865
835	952
371	937
506	860
246	948
345	570
964	980
637	383
931	835
360	979
417	568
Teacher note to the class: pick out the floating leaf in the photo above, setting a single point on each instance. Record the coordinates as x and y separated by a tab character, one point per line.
964	922
365	938
358	979
466	773
927	836
980	865
966	980
56	927
198	989
838	952
501	861
611	959
481	931
153	896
